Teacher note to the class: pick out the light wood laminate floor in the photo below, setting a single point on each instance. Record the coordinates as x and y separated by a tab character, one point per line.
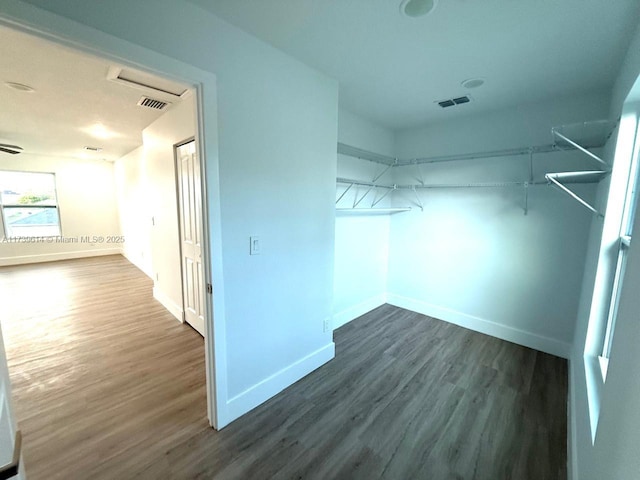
108	385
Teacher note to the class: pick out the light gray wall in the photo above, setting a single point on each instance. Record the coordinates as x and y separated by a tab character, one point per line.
277	134
362	241
473	257
134	208
176	125
147	203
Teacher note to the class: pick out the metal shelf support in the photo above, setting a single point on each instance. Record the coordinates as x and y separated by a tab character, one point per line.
377	201
418	199
356	200
553	177
582	149
344	193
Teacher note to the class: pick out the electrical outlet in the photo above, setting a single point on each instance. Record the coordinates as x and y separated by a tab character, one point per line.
254	245
326	325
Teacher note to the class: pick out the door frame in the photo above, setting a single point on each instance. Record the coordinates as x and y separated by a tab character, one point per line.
70	34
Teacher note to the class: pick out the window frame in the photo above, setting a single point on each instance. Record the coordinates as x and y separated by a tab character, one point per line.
624	242
615	239
614	303
4	229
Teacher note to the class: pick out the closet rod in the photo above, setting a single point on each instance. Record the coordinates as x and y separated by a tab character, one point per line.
440	185
510	152
470	185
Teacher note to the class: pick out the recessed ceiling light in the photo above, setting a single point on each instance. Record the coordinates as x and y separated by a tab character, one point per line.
473	83
98	130
20	86
417	8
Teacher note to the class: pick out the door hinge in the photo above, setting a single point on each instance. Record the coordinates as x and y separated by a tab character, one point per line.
209	288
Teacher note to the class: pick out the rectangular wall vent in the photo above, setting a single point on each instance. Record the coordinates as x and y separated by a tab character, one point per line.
454	101
153	103
149	84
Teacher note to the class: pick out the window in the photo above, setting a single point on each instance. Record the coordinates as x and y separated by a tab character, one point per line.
624	242
29	205
616	238
612	260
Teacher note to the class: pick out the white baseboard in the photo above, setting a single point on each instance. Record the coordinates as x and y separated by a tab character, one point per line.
54	257
133	261
267	388
168	303
351	313
504	332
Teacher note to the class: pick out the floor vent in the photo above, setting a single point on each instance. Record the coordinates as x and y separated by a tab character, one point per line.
153	103
454	101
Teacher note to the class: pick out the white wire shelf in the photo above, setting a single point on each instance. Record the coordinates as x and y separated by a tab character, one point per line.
592	134
355	152
371	211
583	137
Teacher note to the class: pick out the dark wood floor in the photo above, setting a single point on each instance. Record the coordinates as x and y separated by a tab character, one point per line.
108	385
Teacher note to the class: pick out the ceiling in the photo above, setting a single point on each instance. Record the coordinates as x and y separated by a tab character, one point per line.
72	95
392	68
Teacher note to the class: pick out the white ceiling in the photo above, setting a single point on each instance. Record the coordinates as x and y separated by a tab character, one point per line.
392	68
71	94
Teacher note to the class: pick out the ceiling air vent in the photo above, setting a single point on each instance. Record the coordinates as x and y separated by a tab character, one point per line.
454	101
153	103
10	149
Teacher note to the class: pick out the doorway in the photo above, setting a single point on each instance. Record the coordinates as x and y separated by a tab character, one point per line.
205	269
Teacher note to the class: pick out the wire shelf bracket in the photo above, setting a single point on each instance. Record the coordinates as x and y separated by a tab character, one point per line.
577	177
594	133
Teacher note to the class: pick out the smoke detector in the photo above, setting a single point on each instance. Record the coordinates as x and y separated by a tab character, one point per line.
417	8
473	82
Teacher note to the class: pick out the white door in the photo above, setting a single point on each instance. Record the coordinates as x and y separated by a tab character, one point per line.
9	436
189	207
